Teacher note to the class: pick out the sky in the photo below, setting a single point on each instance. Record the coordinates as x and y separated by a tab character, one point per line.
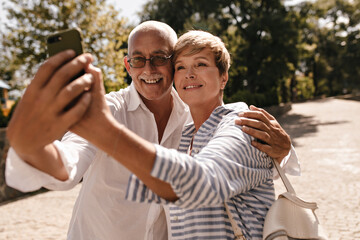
128	9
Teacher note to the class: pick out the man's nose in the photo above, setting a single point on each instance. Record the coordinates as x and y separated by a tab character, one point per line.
148	67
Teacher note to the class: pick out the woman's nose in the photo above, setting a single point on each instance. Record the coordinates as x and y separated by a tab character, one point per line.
190	74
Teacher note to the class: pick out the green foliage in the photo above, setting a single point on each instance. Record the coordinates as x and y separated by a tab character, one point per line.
270	42
258	99
30	22
335	56
305	88
262	37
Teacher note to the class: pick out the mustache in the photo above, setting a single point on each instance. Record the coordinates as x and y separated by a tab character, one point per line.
150	76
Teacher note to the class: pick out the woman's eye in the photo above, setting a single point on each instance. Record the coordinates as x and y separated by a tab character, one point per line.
202	64
179	68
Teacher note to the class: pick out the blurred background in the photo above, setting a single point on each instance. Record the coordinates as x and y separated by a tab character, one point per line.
282	50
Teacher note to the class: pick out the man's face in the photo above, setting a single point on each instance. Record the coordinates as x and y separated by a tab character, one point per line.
151	82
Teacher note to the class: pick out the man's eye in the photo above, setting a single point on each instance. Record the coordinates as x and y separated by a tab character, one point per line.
138	59
159	59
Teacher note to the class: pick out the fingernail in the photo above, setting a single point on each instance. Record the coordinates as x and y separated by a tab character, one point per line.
70	52
88	58
89	77
241	114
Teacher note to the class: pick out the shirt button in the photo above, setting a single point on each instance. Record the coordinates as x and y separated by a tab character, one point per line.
195	150
176	218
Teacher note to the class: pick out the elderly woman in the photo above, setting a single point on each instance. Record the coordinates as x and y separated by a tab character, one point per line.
216	163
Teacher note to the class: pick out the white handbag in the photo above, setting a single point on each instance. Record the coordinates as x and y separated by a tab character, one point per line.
290	217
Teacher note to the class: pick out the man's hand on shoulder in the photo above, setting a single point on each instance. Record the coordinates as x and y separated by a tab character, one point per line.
270	137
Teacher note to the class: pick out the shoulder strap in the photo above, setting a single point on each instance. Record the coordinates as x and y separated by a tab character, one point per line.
283	177
237	231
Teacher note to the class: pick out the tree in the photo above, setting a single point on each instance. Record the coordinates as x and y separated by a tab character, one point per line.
30	22
335	52
262	37
270	43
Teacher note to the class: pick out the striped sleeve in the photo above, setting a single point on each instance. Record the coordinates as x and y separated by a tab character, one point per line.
137	191
226	166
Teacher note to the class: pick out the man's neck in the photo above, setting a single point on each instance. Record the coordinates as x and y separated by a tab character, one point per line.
162	110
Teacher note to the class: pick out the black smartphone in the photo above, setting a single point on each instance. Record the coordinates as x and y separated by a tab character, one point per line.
64	40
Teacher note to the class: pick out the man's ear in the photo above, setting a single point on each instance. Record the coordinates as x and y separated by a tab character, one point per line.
127	65
224	80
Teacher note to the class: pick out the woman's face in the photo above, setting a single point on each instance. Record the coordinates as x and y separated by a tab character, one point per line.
197	79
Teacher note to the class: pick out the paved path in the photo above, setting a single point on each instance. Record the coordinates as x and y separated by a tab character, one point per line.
326	134
43	216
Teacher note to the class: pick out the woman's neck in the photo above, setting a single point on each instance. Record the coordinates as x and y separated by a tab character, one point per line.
201	113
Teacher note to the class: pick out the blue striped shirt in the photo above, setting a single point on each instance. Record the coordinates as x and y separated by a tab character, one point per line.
223	167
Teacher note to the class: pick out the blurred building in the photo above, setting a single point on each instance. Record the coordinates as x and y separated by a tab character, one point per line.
5	102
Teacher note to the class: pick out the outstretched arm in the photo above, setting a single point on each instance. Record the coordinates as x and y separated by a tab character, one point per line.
260	124
226	166
40	118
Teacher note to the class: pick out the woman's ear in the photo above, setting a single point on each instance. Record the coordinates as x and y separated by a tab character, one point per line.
224	79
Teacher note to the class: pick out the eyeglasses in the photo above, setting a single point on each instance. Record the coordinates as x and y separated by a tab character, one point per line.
139	62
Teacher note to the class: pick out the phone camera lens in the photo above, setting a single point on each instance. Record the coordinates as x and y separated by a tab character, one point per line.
54	39
50	40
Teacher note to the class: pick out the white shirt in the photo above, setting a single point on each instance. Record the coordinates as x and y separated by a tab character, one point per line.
101	211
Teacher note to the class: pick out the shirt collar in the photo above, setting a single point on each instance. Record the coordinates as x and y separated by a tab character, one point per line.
189	129
134	99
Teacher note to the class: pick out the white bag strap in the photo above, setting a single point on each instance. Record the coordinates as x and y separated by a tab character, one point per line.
283	177
237	231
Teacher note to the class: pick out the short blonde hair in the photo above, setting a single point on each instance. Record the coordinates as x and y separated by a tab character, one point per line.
196	40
